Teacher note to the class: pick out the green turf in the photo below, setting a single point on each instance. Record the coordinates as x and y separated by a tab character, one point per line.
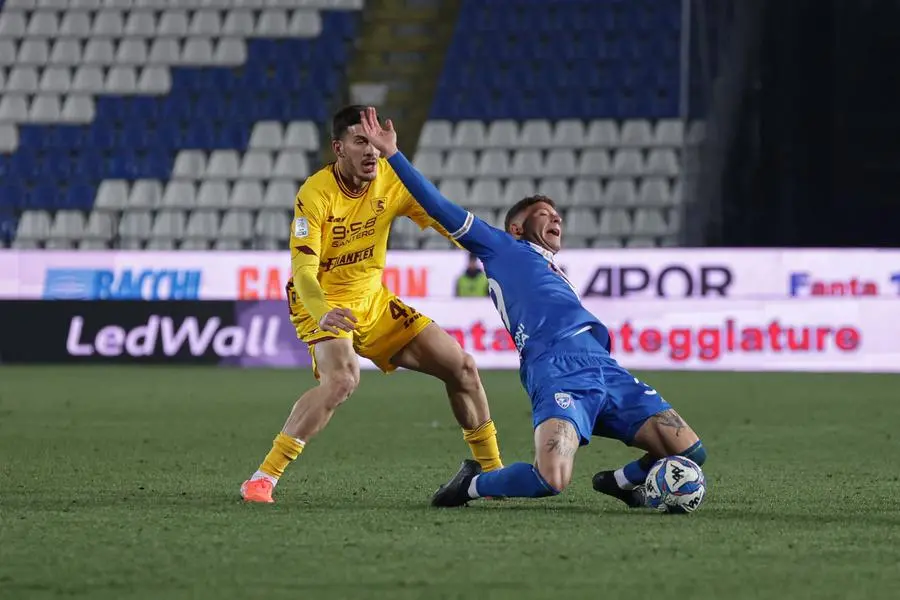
122	483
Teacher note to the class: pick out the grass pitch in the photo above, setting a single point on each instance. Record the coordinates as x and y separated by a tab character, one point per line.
122	483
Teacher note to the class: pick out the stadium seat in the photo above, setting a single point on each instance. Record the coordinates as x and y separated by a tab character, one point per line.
100	226
213	195
456	190
486	193
280	194
301	135
436	135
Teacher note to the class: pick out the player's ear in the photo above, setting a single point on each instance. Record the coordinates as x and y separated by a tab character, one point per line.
338	147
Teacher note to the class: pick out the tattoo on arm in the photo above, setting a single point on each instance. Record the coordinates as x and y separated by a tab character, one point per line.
670	418
564	441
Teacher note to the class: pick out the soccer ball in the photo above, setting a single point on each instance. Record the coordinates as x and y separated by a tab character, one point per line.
675	484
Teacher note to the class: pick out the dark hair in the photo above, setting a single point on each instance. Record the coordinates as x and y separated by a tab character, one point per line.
522	205
344	119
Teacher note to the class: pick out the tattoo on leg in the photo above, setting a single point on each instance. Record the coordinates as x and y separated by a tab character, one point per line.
670	418
564	441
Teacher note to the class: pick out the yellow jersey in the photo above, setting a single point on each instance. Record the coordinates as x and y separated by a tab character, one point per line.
345	234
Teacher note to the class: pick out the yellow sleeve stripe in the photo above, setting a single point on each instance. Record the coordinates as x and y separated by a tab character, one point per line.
465	227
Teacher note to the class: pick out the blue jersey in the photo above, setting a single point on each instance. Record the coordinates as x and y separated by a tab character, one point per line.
537	303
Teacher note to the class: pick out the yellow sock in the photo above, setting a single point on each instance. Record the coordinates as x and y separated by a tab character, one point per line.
284	450
483	442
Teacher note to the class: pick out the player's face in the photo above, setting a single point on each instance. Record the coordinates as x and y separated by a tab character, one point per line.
357	157
541	224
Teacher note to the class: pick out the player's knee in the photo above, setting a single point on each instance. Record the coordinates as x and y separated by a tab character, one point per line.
339	386
556	477
466	372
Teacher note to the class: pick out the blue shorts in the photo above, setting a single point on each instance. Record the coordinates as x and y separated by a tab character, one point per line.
577	380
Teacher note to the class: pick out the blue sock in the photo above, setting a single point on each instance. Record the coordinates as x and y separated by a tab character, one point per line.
635	472
518	480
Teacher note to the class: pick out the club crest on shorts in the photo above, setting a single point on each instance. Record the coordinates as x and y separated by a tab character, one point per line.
378	205
301	227
564	399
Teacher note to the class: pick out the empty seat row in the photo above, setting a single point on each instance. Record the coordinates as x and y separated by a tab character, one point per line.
154	80
161	51
169	223
271	135
151	194
584	192
558	162
171	23
47	109
538	133
228	164
159	5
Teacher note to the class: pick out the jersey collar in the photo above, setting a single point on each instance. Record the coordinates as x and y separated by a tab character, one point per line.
542	251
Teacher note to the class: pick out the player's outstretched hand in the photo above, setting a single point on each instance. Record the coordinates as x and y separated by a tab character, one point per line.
383	138
337	319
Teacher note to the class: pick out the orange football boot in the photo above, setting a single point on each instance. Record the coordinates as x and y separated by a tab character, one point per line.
257	490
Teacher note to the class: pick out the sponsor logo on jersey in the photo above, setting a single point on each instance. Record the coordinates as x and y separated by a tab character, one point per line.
301	227
564	399
350	258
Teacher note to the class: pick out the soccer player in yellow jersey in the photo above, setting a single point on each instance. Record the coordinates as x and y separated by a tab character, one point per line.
342	218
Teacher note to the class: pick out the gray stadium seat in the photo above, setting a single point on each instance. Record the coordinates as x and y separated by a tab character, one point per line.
239	23
197	51
515	190
131	52
230	52
99	52
59	244
126	243
108	23
93	244
112	195
662	163
649	221
86	4
603	133
460	163
135	225
640	242
12	24
493	163
8	53
155	80
273	224
25	244
140	24
189	164
121	80
228	245
23	80
34	225
45	109
636	134
669	133
257	164
223	164
213	194
205	23
614	221
305	24
249	194
43	24
165	51
628	163
56	80
430	163
302	135
251	4
202	224
88	79
536	134
100	226
237	224
654	192
161	245
435	242
67	225
486	193
404	233
13	109
78	109
9	138
569	133
146	193
469	134
586	192
75	24
33	52
266	135
560	163
16	5
280	195
53	4
179	194
503	133
436	135
272	24
456	190
169	224
291	164
528	163
556	189
620	192
173	23
676	196
66	53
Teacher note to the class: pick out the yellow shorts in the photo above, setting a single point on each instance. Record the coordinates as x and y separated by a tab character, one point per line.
385	325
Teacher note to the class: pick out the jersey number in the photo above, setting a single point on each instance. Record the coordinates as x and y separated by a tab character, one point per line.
497	296
405	313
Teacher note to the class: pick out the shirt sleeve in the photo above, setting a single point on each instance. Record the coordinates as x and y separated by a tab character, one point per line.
306	244
466	229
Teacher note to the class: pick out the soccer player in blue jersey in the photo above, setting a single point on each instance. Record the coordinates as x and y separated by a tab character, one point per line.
577	389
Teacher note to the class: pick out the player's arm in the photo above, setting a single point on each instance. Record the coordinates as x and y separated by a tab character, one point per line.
417	215
306	245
